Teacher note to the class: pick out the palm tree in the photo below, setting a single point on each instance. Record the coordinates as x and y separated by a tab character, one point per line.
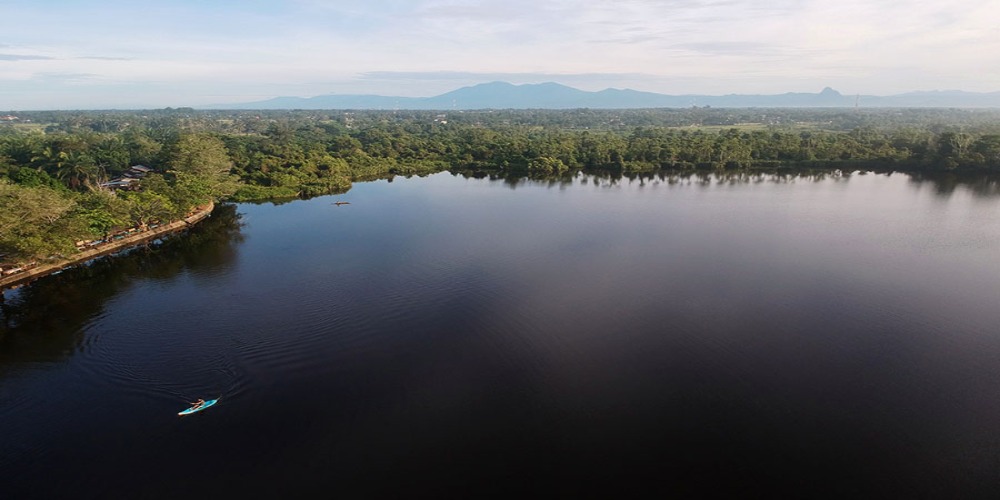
49	159
77	169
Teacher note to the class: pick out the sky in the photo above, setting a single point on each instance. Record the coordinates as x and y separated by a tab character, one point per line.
115	54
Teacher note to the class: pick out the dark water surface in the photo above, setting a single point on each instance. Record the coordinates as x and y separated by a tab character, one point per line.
452	337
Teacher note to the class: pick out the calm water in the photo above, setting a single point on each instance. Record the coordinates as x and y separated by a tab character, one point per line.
453	337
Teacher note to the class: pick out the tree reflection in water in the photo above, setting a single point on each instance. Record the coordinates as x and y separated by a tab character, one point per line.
943	184
42	322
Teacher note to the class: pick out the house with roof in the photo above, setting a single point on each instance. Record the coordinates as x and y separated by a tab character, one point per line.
129	179
126	183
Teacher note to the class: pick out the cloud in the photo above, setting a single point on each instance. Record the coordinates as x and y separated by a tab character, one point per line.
425	47
104	58
66	78
20	57
731	48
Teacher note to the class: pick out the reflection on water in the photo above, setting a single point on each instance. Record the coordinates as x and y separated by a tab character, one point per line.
828	334
946	184
43	322
942	183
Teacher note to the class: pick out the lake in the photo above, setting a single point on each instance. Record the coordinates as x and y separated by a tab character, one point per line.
826	335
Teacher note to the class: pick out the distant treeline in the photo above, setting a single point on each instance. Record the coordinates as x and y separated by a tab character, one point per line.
53	164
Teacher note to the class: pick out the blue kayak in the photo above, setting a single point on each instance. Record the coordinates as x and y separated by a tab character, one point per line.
196	409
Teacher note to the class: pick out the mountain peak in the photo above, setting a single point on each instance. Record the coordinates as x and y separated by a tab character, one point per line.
551	95
493	85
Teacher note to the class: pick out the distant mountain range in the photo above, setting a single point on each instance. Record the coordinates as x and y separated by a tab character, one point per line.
501	95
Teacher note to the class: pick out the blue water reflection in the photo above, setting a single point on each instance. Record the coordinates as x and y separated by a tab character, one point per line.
689	334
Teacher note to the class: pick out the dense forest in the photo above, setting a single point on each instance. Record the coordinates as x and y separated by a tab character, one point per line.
57	168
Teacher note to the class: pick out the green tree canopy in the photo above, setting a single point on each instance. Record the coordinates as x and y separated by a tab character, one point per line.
201	165
37	221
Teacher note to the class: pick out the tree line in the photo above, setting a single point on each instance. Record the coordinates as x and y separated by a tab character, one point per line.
54	165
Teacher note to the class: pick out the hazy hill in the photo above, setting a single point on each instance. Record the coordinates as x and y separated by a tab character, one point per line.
501	95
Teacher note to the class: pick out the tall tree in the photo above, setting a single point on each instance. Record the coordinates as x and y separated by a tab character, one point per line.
36	221
201	164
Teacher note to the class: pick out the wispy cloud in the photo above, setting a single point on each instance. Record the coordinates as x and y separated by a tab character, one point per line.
66	78
21	57
201	50
731	48
104	58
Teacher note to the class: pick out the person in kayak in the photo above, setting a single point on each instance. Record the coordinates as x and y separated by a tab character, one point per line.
198	403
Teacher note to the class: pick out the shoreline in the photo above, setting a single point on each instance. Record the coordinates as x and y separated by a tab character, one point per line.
28	275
